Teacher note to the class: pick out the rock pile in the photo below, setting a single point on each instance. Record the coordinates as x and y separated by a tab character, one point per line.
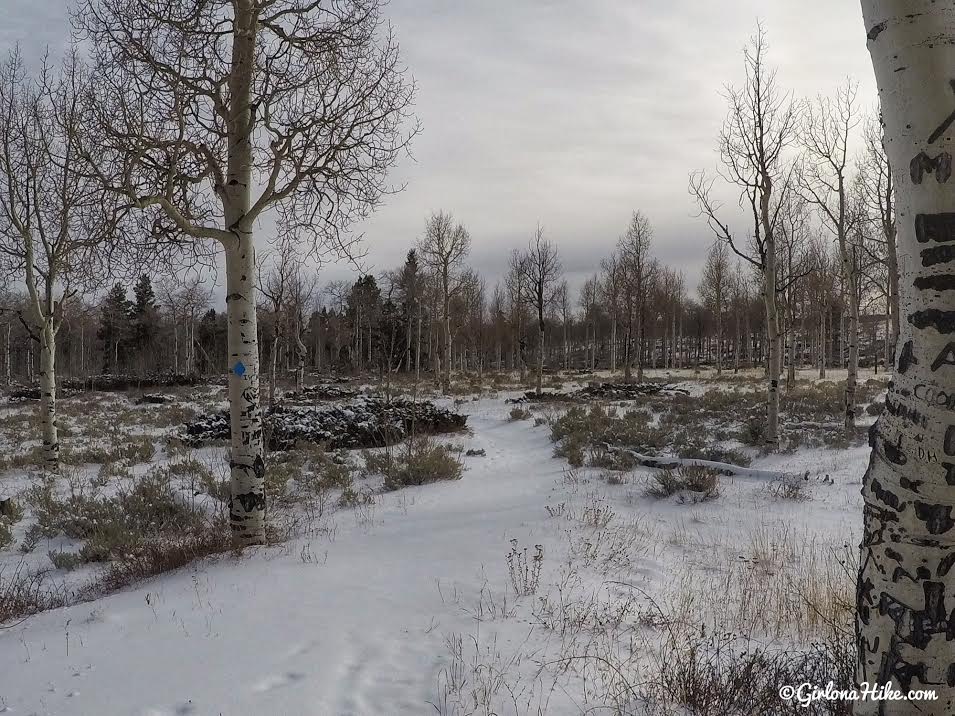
629	391
110	381
364	423
311	393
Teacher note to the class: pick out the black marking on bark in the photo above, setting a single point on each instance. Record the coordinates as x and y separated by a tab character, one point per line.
945	565
233	297
904	412
941	321
912	485
941	166
946	123
937	255
875	31
949	443
250	502
894	453
935	228
886	496
937	518
943	282
949	473
946	357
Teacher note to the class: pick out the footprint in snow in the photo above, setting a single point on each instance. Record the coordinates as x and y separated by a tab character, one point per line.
270	683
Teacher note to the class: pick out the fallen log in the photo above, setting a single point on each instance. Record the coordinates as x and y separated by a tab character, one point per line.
724	468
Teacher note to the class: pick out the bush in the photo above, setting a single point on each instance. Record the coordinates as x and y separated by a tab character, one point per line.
24	593
519	413
419	462
115	526
753	432
703	482
581	428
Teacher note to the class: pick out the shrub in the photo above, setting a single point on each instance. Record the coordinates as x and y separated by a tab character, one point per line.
524	570
24	593
419	462
115	526
518	413
703	482
790	488
753	432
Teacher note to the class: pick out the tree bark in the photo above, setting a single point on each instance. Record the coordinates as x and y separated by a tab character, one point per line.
774	341
247	498
906	585
301	351
51	444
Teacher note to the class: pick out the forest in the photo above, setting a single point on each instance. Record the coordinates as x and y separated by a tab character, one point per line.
248	465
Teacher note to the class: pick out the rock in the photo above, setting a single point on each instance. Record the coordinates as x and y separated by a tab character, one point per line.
117	382
155	399
363	423
8	508
476	453
312	393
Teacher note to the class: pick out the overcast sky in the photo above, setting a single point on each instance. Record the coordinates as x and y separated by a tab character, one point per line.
570	113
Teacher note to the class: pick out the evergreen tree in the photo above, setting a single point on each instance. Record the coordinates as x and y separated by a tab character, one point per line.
144	320
114	329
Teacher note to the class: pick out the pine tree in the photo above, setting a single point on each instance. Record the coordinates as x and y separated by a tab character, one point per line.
114	327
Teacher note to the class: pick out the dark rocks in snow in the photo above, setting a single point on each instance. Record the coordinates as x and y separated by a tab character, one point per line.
22	393
311	393
365	423
117	382
610	391
629	391
476	453
155	399
8	508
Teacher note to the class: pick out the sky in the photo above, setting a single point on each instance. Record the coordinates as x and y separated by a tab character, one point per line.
567	113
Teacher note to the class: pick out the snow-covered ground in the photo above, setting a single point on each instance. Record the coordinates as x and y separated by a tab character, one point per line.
407	606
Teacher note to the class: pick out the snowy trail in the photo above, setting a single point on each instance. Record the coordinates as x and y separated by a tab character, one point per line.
355	624
357	632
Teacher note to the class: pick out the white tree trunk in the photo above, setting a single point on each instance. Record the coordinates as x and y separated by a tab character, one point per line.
51	443
613	345
852	375
822	342
774	340
906	587
247	498
540	358
301	351
6	361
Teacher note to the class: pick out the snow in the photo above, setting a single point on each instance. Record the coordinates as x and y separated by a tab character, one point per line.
362	615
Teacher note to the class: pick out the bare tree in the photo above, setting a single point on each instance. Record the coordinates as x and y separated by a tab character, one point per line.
564	306
52	217
589	304
876	194
442	250
906	586
541	264
210	115
275	287
636	269
828	126
610	285
759	128
715	285
518	291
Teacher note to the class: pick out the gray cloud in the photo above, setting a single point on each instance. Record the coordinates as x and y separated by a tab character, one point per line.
568	113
